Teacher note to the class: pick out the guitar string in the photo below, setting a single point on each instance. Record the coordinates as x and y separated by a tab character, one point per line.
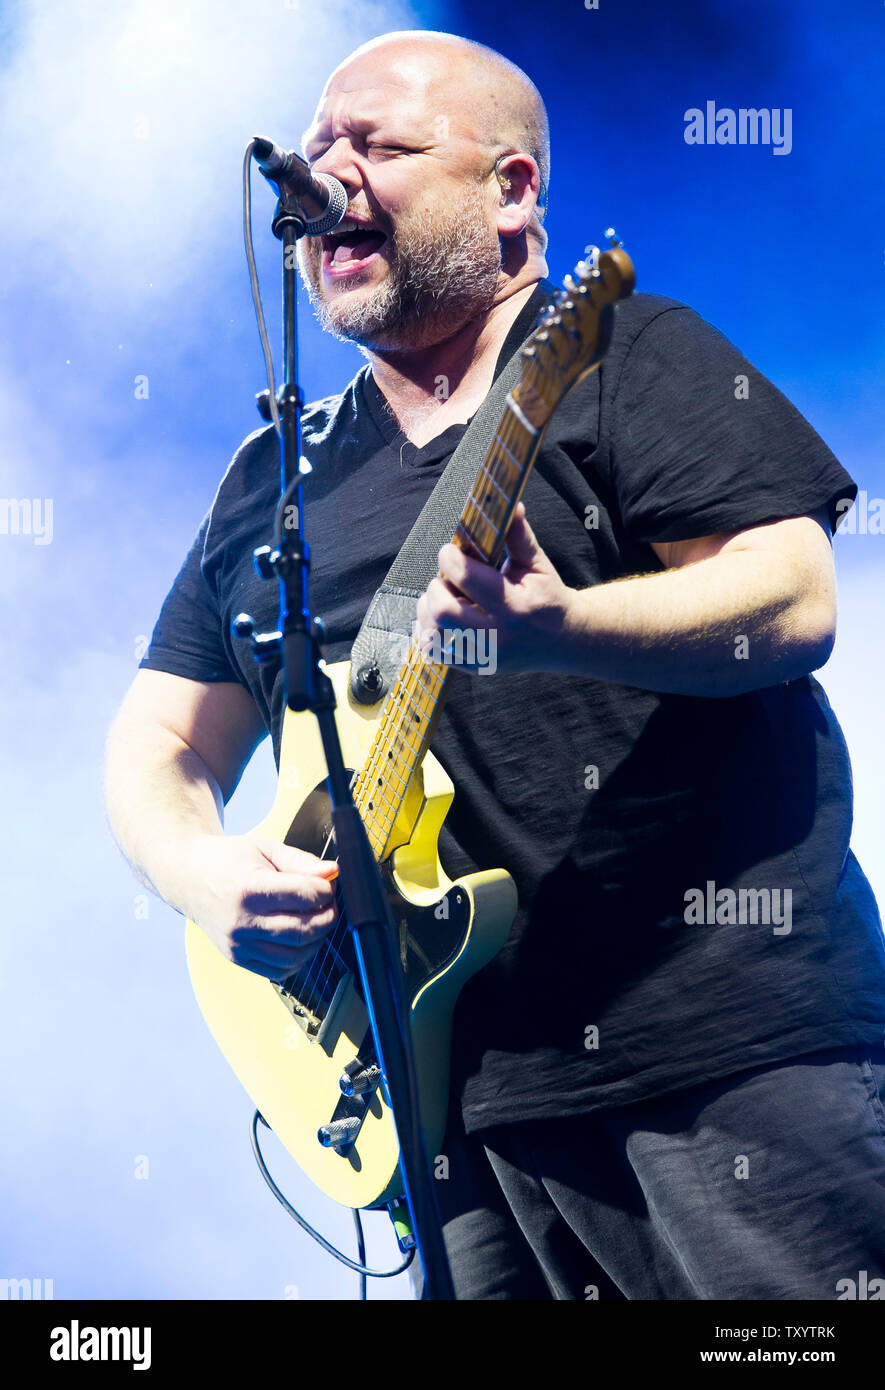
512	432
320	972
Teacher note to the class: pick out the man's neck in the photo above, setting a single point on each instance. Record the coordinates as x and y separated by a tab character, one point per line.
430	388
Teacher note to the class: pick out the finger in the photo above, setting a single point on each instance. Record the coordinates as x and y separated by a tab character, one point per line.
285	930
439	606
523	550
280	957
290	859
482	584
282	893
278	970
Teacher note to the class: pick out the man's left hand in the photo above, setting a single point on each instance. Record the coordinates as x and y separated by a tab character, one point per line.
516	615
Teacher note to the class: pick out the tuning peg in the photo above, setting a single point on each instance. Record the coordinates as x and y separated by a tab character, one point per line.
613	236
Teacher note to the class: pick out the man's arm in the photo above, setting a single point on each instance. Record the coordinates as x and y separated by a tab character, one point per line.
729	613
175	754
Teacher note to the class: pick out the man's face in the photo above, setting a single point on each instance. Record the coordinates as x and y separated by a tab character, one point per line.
418	253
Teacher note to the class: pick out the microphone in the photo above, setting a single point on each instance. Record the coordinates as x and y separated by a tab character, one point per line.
322	198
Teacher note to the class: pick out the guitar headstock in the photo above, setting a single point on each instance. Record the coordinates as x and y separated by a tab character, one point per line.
573	333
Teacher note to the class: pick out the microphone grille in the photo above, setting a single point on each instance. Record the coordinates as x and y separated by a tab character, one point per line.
334	213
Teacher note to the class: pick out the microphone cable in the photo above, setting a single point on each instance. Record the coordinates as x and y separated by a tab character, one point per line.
253	282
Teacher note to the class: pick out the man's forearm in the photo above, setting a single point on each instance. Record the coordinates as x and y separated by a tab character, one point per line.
720	627
160	795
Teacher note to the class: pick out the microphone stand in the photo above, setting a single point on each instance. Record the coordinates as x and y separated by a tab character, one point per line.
309	688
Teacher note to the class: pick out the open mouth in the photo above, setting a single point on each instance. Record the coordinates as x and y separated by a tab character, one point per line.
351	246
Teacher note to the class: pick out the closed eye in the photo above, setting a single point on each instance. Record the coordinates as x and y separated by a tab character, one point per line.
370	150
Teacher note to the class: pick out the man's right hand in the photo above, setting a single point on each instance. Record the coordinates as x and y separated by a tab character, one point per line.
266	906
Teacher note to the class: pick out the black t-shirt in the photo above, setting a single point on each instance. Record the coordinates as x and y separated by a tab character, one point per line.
608	804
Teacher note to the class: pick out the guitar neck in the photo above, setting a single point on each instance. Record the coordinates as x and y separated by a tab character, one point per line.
415	702
570	341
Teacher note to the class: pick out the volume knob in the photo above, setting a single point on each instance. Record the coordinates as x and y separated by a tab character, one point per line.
359	1082
338	1134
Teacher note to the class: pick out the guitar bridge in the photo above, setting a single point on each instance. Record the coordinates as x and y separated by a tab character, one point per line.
323	1030
301	1014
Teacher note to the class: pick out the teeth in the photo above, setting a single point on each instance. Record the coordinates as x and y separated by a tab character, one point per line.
350	226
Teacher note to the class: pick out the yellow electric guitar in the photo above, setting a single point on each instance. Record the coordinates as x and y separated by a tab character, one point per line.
303	1049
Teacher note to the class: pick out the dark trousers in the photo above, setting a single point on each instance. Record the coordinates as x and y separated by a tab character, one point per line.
769	1184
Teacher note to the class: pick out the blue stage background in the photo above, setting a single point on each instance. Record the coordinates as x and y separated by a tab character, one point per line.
125	1166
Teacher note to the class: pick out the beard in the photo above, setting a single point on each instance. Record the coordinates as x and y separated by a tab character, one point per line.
441	273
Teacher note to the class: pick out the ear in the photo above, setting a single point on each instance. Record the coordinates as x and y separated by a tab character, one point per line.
520	184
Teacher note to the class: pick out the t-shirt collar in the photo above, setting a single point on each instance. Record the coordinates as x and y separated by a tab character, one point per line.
445	442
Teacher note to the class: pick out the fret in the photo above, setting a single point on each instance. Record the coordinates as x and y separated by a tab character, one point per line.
424	708
515	461
382	796
391	770
411	690
526	423
473	543
371	798
504	494
400	741
488	521
492	532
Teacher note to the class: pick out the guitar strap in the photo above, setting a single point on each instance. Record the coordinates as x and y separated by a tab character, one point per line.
382	642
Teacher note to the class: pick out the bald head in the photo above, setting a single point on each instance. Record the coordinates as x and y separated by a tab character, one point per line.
482	95
442	148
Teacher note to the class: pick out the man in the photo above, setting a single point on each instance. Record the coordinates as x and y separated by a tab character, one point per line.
669	1083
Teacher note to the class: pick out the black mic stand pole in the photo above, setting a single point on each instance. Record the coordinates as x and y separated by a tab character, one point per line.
365	899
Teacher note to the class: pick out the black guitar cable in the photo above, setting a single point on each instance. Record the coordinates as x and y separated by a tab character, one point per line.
359	1265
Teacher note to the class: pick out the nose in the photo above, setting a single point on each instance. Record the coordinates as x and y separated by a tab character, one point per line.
338	161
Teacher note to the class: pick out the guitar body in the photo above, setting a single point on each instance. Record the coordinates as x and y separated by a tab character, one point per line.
290	1063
